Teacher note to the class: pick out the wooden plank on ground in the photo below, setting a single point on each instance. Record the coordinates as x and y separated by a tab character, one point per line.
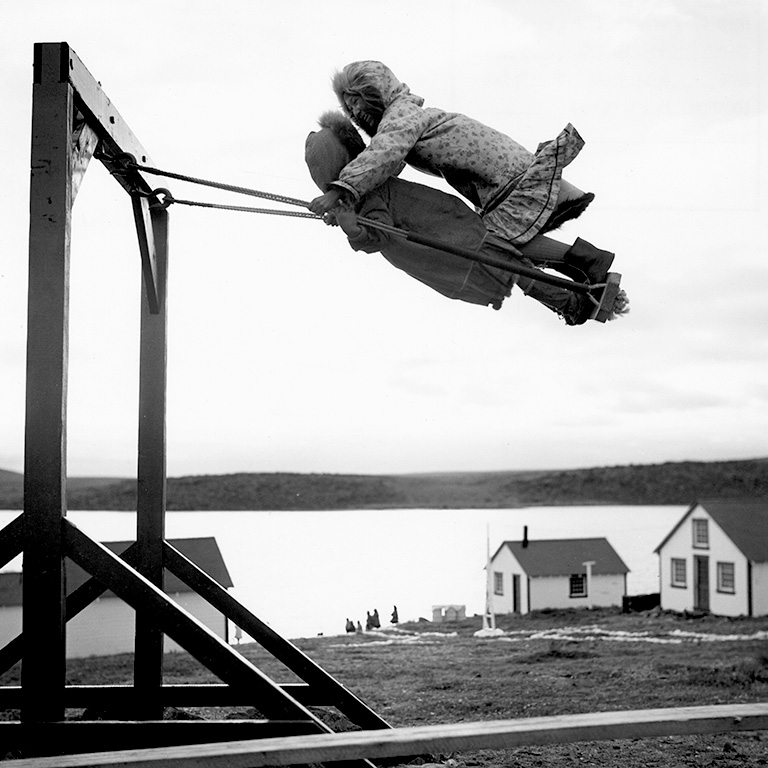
496	734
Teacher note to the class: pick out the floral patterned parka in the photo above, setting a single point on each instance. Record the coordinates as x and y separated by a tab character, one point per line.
513	189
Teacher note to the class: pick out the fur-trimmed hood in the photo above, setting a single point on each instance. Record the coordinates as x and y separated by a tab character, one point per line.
372	81
328	150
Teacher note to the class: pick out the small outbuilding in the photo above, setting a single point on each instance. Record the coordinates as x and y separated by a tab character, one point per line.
107	626
716	559
443	613
526	576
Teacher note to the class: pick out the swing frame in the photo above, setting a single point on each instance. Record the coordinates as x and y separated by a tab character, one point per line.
71	119
74	121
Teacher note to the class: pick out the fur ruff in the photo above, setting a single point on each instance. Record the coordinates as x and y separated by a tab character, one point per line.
567	211
344	130
342	83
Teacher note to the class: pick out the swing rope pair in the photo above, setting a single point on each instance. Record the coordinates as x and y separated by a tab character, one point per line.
126	162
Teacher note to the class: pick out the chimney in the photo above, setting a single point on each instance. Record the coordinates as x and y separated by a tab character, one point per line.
525	536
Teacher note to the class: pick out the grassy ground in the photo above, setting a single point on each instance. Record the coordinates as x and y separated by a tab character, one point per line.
552	663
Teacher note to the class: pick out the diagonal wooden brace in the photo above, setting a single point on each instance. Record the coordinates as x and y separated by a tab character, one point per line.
196	638
333	692
146	233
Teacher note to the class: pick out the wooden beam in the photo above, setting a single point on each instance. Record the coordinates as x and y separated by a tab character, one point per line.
11	540
45	462
434	739
324	684
148	250
84	143
175	695
102	123
185	629
151	477
115	134
77	601
72	737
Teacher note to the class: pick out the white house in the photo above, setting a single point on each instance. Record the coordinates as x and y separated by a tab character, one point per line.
716	559
107	625
560	573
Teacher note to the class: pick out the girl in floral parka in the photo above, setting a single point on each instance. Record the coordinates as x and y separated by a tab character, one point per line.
519	194
407	206
430	212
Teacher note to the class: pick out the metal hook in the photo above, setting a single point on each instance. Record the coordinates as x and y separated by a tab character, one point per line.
125	161
162	198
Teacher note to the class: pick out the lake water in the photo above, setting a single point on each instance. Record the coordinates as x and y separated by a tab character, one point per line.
304	573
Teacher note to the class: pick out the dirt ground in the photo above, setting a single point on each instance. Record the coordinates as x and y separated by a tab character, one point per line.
552	663
564	663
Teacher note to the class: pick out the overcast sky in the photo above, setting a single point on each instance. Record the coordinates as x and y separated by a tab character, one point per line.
290	352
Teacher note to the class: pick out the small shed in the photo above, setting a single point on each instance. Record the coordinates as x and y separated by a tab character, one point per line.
715	559
526	576
107	626
443	613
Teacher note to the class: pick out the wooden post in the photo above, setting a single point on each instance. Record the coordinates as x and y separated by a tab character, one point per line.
43	670
150	530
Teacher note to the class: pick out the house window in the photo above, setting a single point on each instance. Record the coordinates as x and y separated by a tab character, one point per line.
700	534
678	572
578	583
726	581
498	583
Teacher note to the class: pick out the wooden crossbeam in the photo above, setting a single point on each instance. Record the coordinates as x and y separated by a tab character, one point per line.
108	697
103	124
498	734
114	133
78	736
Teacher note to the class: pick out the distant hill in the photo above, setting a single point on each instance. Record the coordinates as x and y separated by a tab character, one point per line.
669	483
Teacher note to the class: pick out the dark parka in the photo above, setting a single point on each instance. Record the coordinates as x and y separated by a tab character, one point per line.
415	208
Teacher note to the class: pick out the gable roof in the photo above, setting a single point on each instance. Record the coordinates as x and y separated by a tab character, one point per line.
744	522
563	557
204	552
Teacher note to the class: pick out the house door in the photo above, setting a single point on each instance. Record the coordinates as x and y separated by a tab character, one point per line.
516	593
700	583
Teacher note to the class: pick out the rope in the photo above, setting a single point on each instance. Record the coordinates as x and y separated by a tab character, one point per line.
219	185
244	209
465	253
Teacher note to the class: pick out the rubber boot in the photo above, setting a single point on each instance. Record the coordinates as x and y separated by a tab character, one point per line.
585	263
